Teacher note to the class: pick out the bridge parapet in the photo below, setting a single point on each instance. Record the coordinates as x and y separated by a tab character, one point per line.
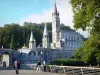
74	70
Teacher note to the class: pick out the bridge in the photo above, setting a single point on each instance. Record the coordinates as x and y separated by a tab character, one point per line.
53	70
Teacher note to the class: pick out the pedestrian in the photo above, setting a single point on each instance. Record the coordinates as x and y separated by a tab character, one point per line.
38	65
16	67
44	66
4	65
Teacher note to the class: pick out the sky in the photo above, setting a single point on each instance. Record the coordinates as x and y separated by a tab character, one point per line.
36	11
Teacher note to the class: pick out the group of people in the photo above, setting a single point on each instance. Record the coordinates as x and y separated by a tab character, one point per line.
39	66
17	66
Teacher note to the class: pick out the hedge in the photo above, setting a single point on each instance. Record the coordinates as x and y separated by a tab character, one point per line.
68	62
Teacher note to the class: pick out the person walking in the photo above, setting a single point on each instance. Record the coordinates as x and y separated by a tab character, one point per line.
38	65
4	65
16	67
44	66
18	63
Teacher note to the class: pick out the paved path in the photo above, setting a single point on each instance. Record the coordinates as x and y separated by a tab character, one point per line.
26	72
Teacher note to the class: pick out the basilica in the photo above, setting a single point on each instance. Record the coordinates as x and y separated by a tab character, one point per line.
62	40
63	44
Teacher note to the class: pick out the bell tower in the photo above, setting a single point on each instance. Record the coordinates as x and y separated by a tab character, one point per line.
55	28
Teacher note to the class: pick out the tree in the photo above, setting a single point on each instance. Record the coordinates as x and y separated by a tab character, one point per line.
89	51
1	37
78	53
84	12
15	36
12	44
87	15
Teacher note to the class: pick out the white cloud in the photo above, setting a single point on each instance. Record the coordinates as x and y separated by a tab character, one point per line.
84	33
38	18
65	11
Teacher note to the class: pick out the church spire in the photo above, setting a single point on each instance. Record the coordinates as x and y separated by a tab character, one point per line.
55	8
55	12
45	39
45	30
31	37
32	42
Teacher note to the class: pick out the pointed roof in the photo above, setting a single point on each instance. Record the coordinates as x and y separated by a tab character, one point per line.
55	10
45	30
31	37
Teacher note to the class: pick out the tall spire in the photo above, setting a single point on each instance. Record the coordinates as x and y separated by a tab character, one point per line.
31	37
32	42
55	8
45	39
45	30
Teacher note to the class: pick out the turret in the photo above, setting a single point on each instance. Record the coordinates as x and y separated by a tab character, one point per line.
32	42
45	40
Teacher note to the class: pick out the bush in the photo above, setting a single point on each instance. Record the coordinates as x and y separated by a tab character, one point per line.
68	62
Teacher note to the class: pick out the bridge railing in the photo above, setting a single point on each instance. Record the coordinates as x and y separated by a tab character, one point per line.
72	70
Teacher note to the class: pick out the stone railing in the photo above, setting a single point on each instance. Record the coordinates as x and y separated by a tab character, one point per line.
72	70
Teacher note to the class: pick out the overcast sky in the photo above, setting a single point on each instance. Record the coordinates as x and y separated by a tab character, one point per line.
36	11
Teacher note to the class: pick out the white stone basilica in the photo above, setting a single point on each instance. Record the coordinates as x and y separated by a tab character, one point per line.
63	44
63	40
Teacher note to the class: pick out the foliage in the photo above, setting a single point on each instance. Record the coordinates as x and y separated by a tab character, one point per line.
12	44
87	15
15	36
68	62
90	52
84	12
78	53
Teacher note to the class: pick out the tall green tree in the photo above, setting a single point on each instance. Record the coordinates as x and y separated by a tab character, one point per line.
78	53
87	15
21	34
12	44
84	12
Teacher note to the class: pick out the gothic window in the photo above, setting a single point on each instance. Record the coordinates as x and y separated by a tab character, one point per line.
72	43
66	39
66	42
69	43
74	37
69	38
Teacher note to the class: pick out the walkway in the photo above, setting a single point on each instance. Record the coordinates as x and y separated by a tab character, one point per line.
26	72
